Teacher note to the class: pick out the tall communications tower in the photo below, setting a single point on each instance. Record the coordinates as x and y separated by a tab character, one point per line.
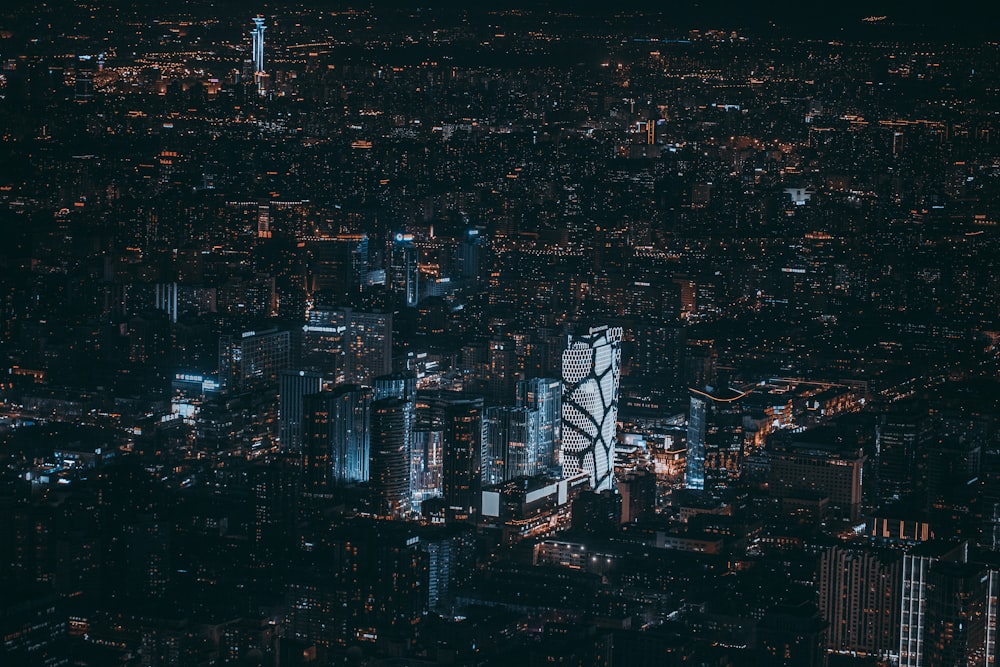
257	34
258	44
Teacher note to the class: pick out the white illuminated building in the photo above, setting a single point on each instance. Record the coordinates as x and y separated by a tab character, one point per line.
591	369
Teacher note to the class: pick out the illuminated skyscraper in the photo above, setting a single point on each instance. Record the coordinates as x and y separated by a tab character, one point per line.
948	612
544	395
395	385
348	344
859	597
460	418
714	439
253	360
335	437
404	271
391	432
510	444
294	386
257	34
591	369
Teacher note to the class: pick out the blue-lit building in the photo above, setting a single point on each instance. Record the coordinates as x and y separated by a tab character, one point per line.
294	386
404	270
715	442
257	35
391	433
510	443
336	437
544	396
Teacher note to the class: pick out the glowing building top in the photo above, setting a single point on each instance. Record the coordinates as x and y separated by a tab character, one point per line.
258	44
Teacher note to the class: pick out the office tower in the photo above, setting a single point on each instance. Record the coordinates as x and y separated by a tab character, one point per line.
257	35
395	385
274	488
33	626
590	373
817	463
391	433
368	346
253	359
468	256
638	491
317	455
658	361
360	577
426	445
294	386
497	375
426	461
597	513
166	299
544	396
714	439
510	444
700	361
914	611
348	344
451	552
901	440
335	437
323	340
859	598
460	418
404	271
955	623
338	265
350	435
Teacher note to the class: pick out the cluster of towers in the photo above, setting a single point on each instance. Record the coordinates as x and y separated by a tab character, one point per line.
411	445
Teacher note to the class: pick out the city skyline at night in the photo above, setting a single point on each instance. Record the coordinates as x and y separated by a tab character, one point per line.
452	334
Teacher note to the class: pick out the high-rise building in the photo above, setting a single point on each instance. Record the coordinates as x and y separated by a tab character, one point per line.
956	622
859	598
715	442
348	344
391	433
294	385
818	463
426	461
544	395
638	492
257	52
395	385
917	565
338	265
403	275
257	35
460	418
368	346
591	367
658	359
510	444
901	440
253	360
336	439
362	577
274	487
451	562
